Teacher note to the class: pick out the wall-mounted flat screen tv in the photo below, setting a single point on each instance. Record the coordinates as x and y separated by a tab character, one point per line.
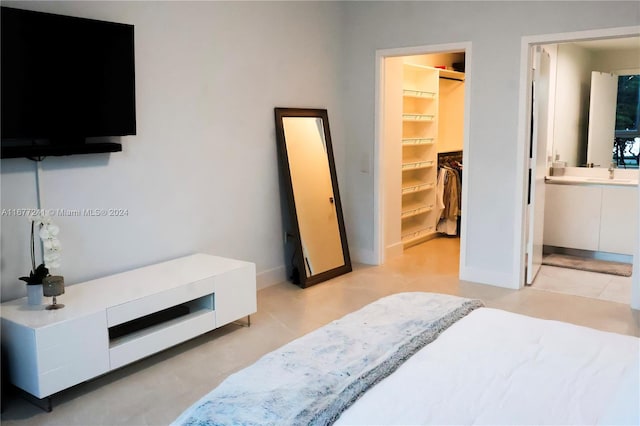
65	78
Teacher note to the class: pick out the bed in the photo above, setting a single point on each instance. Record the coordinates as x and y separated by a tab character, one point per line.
425	358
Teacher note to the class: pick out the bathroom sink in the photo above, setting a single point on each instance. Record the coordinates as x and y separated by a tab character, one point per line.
605	180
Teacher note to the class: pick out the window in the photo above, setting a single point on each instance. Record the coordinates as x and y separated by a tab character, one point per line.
627	136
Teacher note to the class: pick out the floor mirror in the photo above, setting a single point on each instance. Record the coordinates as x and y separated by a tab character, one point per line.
315	240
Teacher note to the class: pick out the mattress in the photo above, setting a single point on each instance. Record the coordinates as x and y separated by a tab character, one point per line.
313	379
496	367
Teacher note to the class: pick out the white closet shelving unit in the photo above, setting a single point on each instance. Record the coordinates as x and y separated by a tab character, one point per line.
421	105
419	154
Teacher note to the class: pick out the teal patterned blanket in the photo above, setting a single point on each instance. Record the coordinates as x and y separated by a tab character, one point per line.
313	379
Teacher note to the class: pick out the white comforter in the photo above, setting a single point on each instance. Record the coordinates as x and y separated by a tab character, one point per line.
495	367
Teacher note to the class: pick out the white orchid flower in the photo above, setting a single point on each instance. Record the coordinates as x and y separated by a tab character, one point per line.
51	244
49	231
52	265
53	229
44	233
50	257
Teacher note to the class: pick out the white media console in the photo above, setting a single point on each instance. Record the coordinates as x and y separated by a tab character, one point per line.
112	321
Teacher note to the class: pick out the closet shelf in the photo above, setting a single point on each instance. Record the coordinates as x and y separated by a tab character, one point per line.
413	165
414	180
409	204
416	210
456	75
418	141
418	117
422	94
413	233
408	188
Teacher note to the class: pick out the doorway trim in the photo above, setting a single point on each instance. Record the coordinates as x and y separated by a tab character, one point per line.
378	175
527	44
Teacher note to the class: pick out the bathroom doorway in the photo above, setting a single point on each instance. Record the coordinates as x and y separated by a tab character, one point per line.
591	49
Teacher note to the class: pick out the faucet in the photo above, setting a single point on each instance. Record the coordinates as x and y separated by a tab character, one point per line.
612	168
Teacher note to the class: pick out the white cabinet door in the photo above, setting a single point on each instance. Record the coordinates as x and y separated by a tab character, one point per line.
572	216
619	222
71	352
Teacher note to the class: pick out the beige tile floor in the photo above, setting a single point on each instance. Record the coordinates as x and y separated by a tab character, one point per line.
156	390
583	283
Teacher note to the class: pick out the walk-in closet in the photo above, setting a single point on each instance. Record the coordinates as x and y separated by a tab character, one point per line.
424	97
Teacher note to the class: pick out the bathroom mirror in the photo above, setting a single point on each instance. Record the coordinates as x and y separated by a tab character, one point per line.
582	135
315	240
613	116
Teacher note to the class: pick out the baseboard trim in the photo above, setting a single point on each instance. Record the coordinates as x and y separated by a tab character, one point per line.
489	277
393	250
364	256
271	277
599	255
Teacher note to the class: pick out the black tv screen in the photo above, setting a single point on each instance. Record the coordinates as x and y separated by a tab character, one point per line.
65	78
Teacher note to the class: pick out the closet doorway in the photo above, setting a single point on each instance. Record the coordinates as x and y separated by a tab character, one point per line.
421	137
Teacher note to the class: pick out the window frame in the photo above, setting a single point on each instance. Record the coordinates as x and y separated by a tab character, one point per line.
630	134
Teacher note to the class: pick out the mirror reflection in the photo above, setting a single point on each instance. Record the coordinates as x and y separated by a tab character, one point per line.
320	249
313	194
595	103
613	120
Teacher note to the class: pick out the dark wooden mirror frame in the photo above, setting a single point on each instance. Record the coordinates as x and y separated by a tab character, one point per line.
294	259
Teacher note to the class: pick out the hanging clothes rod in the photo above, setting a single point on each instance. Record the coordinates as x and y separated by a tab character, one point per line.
448	157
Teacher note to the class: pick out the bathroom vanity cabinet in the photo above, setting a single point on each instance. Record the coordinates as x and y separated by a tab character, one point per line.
601	217
618	219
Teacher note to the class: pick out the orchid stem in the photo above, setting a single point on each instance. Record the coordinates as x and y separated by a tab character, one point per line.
33	252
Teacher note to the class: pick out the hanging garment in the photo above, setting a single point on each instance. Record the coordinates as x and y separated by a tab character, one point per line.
448	222
442	174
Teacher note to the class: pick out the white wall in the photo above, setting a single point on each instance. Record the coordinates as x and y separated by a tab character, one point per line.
616	60
495	29
450	116
201	174
392	156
